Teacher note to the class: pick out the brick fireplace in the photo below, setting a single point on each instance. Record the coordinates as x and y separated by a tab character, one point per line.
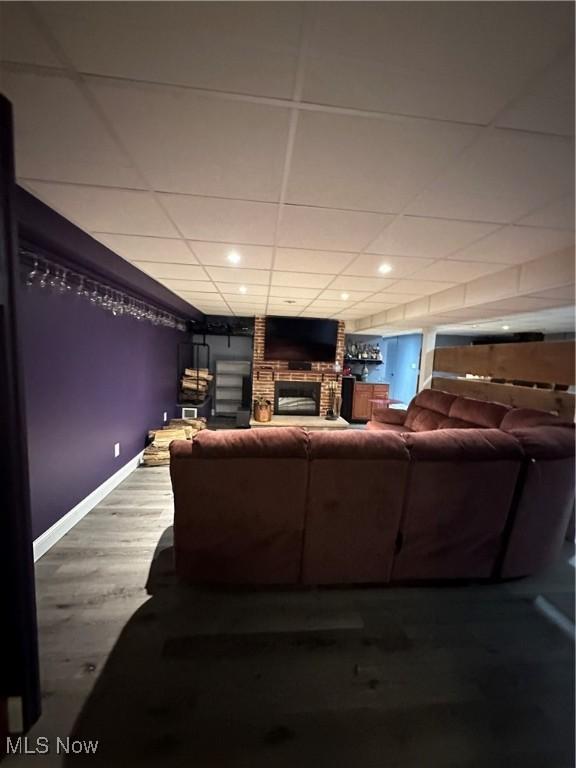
267	373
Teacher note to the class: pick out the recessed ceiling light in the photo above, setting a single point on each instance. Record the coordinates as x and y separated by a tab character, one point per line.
344	296
505	327
384	268
243	289
475	325
234	257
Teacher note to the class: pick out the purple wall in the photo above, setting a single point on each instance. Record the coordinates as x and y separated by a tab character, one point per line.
91	380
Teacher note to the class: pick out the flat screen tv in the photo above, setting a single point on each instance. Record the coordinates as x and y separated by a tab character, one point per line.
303	339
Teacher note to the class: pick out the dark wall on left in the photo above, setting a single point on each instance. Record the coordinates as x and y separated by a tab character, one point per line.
91	380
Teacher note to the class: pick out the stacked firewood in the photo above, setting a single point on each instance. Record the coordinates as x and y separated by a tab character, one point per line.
157	453
195	384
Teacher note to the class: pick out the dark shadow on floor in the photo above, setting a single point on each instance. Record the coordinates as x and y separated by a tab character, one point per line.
369	678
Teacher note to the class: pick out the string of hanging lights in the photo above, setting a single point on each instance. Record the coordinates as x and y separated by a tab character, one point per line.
45	274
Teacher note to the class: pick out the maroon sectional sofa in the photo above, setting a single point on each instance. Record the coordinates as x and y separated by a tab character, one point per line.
452	488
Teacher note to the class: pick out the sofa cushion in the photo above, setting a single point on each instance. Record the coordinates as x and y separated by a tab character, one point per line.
356	487
264	442
461	486
449	423
389	415
518	418
546	442
384	427
422	419
435	400
485	414
357	444
463	445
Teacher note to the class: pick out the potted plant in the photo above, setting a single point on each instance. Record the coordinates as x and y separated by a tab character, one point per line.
262	409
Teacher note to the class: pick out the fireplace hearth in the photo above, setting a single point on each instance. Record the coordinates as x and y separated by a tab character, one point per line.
297	398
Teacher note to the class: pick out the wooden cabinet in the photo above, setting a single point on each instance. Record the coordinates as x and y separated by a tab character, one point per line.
363	395
381	391
361	405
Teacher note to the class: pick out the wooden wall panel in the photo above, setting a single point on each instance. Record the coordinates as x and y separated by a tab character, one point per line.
539	361
519	397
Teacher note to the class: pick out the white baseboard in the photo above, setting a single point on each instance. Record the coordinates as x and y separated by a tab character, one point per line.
46	540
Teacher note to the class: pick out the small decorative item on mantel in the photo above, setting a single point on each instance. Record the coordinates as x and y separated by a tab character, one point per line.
262	409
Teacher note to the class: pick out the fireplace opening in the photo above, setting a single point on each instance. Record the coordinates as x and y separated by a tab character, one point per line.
297	398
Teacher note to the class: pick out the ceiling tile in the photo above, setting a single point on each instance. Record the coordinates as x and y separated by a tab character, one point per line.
430	59
501	178
418	287
250	301
278	301
244	298
402	266
97	209
514	245
245	48
206	306
394	298
315	313
228	221
216	254
251	288
448	299
551	271
372	307
20	38
349	314
239	276
135	248
171	271
456	271
299	260
248	309
69	143
201	286
300	280
431	238
548	106
323	229
566	293
489	287
352	283
337	295
284	309
203	297
521	304
198	144
559	215
368	164
288	292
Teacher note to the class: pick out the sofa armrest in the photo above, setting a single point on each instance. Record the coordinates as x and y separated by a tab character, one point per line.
389	415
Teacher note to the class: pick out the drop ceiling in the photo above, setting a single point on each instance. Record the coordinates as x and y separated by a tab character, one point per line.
275	157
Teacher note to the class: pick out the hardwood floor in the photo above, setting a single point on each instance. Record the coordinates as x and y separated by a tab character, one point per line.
452	677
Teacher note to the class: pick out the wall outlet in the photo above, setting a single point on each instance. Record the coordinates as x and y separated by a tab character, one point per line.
116	450
165	415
